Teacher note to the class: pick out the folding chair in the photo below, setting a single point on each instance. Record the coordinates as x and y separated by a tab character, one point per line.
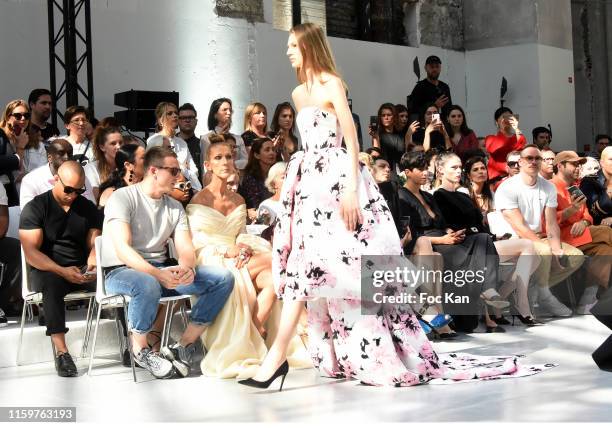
120	300
34	298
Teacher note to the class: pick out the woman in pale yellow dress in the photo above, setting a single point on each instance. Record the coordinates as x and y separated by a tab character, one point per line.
217	216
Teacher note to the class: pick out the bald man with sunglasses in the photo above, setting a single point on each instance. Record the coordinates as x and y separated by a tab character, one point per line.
57	230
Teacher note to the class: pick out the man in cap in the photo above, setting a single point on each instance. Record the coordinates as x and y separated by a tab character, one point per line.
577	228
431	90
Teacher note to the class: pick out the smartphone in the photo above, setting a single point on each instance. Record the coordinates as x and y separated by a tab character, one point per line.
374	122
435	117
405	222
575	191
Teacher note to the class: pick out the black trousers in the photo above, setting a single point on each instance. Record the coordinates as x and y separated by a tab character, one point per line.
54	288
10	258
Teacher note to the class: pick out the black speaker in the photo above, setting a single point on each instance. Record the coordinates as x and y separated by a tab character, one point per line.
137	120
144	100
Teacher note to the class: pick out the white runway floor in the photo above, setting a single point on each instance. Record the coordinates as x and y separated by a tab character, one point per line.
575	391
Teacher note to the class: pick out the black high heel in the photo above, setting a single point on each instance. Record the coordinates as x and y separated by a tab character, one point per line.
499	320
281	371
528	321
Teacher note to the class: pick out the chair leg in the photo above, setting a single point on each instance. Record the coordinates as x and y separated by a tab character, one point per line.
88	322
184	315
26	305
122	345
95	337
129	341
163	338
169	327
570	291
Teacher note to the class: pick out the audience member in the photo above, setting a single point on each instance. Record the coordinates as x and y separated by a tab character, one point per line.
541	137
106	142
508	138
35	154
366	160
57	231
601	142
187	122
357	123
477	181
431	89
255	124
577	227
283	123
460	213
77	122
220	122
253	188
271	207
182	192
42	179
129	169
233	181
13	140
547	166
464	140
41	106
384	136
139	221
381	171
525	200
403	116
10	267
167	122
590	168
432	135
374	152
598	190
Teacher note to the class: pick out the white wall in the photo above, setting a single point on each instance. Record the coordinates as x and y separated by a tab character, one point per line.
538	89
157	45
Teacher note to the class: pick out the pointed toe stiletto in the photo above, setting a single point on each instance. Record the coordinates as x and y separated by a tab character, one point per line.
499	320
528	321
281	371
496	329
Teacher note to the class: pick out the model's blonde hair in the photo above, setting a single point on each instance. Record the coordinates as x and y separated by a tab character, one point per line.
315	50
252	109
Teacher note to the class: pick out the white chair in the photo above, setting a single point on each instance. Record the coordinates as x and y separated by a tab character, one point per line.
34	298
13	226
120	300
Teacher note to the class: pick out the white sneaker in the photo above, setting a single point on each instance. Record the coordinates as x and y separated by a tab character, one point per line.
589	296
551	304
585	309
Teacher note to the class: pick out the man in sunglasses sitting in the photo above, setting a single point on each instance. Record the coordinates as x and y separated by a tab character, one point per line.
41	179
526	201
138	222
57	231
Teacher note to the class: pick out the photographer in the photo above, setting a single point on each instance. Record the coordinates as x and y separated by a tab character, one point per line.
433	135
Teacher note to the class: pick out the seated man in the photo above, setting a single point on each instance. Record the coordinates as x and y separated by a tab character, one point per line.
42	178
522	200
57	231
547	166
577	227
10	266
139	221
512	167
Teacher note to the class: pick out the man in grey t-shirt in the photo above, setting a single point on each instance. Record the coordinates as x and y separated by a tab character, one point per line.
139	221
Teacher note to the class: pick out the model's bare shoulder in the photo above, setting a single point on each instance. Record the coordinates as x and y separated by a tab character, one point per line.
203	197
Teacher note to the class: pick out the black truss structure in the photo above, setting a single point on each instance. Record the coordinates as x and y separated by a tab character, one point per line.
74	36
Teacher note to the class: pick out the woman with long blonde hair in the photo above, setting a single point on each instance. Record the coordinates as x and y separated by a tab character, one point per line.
255	123
332	215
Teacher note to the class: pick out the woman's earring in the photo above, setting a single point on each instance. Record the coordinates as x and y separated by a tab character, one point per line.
131	176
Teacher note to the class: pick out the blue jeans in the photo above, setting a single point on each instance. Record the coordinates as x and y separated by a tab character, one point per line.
211	286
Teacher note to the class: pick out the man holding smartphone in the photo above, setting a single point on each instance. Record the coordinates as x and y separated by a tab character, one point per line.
432	89
577	228
57	230
508	138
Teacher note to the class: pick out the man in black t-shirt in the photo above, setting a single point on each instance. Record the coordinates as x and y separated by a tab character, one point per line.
57	230
41	106
431	90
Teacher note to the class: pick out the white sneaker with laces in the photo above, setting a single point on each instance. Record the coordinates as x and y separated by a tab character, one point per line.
549	303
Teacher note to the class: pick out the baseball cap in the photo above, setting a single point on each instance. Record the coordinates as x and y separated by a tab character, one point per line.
568	156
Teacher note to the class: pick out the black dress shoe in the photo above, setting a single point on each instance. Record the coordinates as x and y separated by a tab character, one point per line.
65	365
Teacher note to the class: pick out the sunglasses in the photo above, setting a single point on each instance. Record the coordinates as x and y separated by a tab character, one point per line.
513	164
68	190
174	171
171	113
183	186
21	116
532	158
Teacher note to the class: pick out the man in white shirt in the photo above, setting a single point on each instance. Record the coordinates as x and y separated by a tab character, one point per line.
42	178
523	199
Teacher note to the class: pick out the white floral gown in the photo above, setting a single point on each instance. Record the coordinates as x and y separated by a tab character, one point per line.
316	259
